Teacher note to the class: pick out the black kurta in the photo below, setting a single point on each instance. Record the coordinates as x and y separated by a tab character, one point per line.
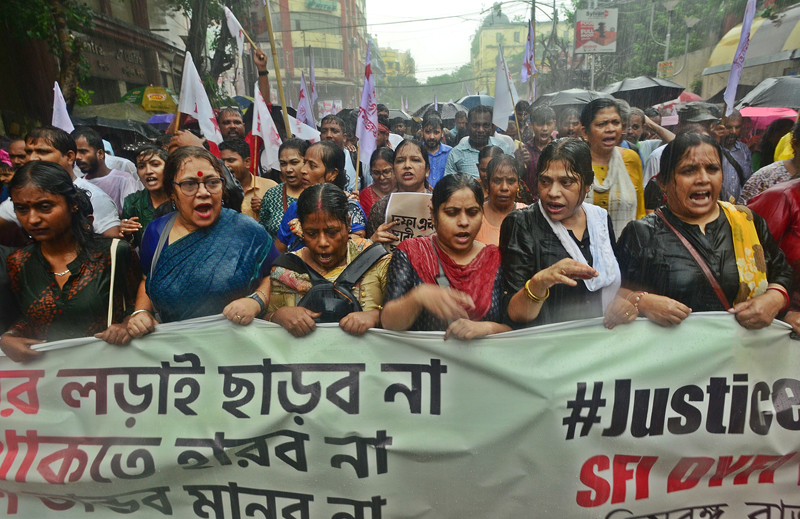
528	245
652	258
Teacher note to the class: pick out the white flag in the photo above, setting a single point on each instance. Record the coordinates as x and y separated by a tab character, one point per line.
60	115
435	103
304	113
194	101
367	125
529	60
505	93
303	131
264	127
235	29
312	79
738	61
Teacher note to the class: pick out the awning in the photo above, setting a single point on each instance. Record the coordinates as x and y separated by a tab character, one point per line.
771	39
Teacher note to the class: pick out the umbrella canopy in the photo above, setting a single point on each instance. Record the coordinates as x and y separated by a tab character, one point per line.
644	91
474	100
764	116
780	92
126	125
113	111
446	110
574	97
685	97
161	121
152	98
398	113
244	102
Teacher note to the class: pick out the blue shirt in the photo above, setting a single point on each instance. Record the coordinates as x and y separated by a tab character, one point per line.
358	222
464	158
438	163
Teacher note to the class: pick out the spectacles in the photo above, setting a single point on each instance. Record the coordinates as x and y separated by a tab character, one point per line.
384	173
189	187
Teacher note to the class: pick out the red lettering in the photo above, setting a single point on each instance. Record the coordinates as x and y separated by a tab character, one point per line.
643	476
621	476
687	473
726	469
600	487
761	463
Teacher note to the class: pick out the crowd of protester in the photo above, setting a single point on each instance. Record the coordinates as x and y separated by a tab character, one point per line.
572	214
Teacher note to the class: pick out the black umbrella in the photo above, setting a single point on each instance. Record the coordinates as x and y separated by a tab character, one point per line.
574	97
781	92
398	113
644	91
143	129
446	110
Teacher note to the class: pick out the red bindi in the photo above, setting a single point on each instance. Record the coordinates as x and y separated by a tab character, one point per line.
199	173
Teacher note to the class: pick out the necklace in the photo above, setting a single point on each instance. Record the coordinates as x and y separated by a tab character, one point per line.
62	273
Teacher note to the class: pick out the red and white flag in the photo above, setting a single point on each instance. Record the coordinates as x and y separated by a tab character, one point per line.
264	127
60	114
738	61
505	93
235	29
194	101
312	78
303	131
304	113
367	125
529	60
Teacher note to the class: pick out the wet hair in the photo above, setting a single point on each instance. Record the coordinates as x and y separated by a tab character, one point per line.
590	111
294	144
503	161
677	149
541	114
93	138
651	112
568	113
776	129
179	156
449	184
480	109
333	158
490	151
325	198
236	145
460	115
638	112
229	110
420	147
150	149
574	153
522	106
624	111
162	141
382	153
333	118
58	138
52	178
432	120
381	107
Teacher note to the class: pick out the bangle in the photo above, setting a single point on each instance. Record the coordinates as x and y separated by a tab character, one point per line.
263	73
262	294
140	311
785	294
12	333
269	319
531	295
257	298
639	296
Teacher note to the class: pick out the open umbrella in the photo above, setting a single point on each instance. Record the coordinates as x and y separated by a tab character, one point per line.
446	110
161	121
398	113
644	91
574	97
244	102
781	92
152	98
126	125
762	116
474	100
122	111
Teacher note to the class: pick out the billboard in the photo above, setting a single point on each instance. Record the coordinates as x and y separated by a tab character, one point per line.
596	31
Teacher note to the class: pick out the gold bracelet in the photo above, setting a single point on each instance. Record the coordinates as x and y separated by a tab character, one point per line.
639	296
269	319
262	294
532	297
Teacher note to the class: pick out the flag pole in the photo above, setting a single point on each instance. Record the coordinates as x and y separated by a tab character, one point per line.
284	109
519	136
358	166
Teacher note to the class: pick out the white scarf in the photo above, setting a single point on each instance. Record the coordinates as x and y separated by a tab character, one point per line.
622	201
605	262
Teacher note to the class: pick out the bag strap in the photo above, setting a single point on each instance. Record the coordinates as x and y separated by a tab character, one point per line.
359	266
699	260
114	245
441	279
283	196
162	240
736	166
296	263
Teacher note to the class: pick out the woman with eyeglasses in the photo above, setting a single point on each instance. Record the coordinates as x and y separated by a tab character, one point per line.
383	181
202	259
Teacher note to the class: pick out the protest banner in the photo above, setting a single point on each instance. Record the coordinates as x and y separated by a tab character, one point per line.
596	31
208	419
412	212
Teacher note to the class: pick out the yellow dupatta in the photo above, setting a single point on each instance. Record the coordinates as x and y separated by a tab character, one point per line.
750	259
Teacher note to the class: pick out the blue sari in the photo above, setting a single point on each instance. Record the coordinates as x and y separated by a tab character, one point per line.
202	272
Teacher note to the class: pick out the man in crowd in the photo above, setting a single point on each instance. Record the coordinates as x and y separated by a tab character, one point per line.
399	127
55	145
332	129
432	134
638	125
16	152
542	123
569	123
235	153
738	166
91	159
460	124
464	157
654	116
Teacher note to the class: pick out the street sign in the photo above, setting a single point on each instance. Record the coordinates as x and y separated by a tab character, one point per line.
596	31
665	69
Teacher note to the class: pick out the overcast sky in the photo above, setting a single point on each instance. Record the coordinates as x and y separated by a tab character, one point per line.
437	46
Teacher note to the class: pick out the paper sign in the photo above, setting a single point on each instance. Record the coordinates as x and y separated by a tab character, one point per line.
412	211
